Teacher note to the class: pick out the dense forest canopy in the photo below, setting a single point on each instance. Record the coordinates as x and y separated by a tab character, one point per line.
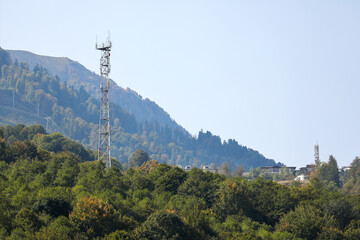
36	97
51	188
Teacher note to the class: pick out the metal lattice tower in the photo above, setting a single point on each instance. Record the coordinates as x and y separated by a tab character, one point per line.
104	122
316	155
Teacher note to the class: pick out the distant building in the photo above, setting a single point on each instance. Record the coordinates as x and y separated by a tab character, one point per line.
276	169
291	169
187	168
271	169
209	168
309	168
301	177
345	168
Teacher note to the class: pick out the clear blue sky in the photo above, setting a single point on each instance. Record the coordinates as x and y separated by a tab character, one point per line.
278	76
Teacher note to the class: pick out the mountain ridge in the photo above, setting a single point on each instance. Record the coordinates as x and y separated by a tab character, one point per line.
76	112
77	75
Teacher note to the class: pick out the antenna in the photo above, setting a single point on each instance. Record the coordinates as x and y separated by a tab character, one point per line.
104	121
316	154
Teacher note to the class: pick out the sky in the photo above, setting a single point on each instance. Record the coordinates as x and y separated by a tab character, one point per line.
277	76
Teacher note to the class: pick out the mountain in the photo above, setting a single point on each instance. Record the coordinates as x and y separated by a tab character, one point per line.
37	97
77	75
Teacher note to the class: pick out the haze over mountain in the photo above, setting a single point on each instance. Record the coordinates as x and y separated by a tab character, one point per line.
41	95
77	75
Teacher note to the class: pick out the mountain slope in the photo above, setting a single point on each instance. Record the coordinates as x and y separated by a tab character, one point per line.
40	97
77	75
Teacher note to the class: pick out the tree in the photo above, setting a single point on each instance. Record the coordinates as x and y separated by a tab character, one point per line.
333	171
5	208
66	176
329	172
171	180
269	199
225	169
27	220
232	198
341	210
54	201
193	211
149	166
330	233
352	178
305	222
138	158
118	235
91	177
254	172
57	143
23	150
200	184
239	170
164	225
60	228
93	216
4	58
6	154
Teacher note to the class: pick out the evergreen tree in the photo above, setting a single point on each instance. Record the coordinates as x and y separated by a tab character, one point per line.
329	172
333	171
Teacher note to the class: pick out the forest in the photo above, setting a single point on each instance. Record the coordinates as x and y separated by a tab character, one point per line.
51	187
31	96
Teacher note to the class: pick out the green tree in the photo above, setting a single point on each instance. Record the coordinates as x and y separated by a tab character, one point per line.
164	225
138	158
333	171
201	184
352	178
57	143
270	200
27	220
329	172
171	180
330	233
305	222
60	228
233	198
341	210
67	174
91	178
193	211
54	201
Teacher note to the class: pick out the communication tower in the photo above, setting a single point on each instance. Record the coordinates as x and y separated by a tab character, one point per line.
316	155
104	122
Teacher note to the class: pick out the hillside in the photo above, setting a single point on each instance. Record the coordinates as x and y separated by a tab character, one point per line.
77	75
40	97
51	188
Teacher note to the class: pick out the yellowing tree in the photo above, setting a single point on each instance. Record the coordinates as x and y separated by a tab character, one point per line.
93	216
